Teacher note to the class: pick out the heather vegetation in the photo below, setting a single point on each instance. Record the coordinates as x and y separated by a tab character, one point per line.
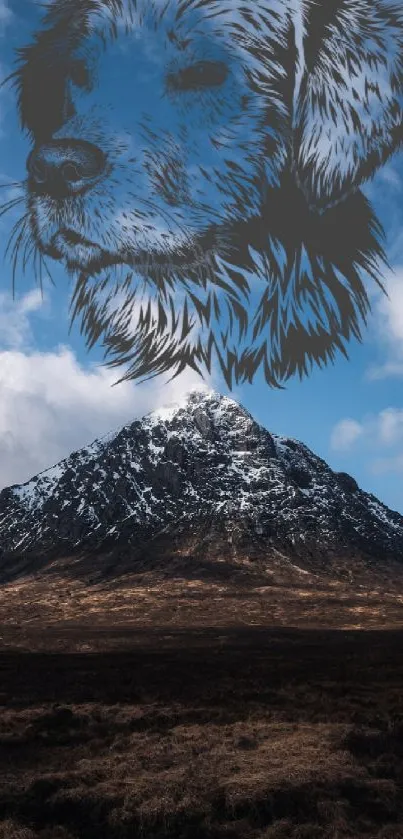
201	733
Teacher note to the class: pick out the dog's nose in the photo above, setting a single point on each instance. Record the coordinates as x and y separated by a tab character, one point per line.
61	168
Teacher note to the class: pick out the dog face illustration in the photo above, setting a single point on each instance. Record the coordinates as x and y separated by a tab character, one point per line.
196	166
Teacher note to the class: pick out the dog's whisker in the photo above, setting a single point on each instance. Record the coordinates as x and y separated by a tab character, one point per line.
15	251
23	239
27	254
47	270
21	222
13	185
36	260
9	205
39	278
16	245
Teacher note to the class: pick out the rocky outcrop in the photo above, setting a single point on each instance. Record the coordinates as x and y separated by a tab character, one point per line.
205	460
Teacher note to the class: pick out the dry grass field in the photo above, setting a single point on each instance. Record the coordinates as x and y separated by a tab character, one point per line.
187	710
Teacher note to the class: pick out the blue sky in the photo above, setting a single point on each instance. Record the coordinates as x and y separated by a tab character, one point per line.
56	397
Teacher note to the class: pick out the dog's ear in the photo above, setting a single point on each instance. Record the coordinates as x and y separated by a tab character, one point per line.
347	117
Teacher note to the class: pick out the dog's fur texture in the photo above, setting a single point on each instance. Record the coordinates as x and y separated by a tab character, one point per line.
227	224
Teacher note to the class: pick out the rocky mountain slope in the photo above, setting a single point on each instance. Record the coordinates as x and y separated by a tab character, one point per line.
203	481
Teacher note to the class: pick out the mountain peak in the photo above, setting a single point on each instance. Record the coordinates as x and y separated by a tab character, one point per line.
196	396
205	412
200	462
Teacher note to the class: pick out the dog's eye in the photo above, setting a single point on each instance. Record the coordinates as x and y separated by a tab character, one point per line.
202	74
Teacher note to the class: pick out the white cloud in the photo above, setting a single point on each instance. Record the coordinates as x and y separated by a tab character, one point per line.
391	308
388	177
3	88
387	370
15	329
51	405
5	15
382	465
388	312
345	433
390	424
373	433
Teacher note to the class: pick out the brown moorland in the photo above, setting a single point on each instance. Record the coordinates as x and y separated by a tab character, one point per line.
183	709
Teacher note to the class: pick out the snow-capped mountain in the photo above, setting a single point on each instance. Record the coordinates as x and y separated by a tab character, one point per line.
206	473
